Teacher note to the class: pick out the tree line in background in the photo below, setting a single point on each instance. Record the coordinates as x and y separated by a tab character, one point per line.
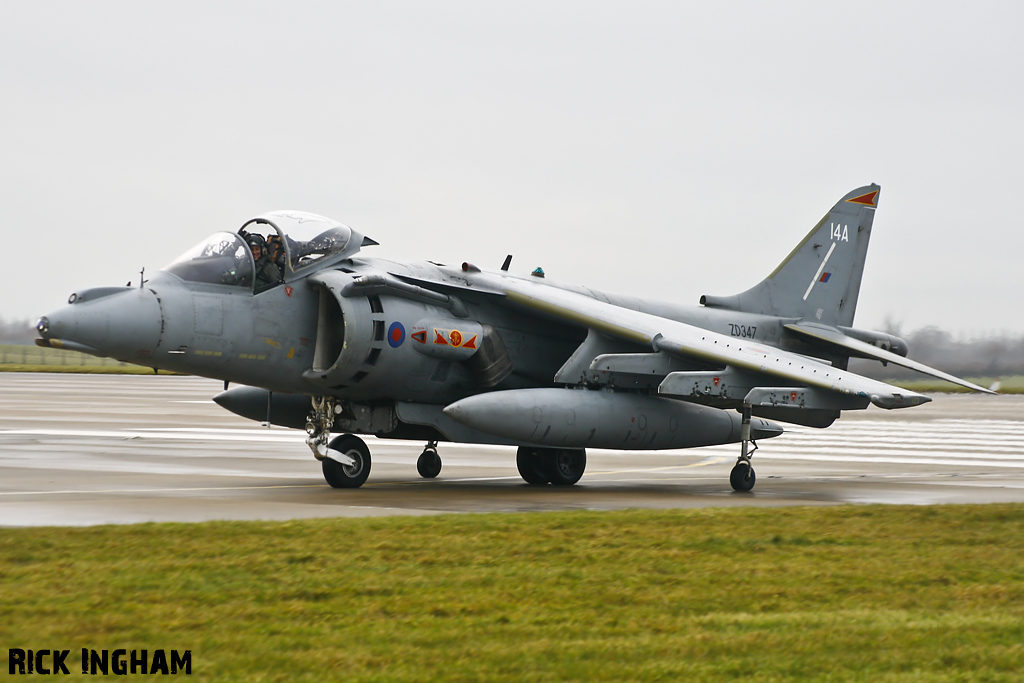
991	356
17	331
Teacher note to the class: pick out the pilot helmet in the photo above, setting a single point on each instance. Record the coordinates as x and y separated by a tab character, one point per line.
256	240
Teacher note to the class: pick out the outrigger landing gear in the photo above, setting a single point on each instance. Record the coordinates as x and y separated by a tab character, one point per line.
346	459
742	476
429	462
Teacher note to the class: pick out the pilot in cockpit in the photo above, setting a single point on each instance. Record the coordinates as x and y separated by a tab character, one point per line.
275	251
267	272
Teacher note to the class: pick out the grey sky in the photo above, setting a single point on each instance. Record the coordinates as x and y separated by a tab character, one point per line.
660	149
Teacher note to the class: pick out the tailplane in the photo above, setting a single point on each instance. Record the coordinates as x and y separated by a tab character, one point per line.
820	279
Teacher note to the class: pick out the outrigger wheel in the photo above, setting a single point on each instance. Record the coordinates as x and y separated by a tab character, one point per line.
342	476
742	477
429	462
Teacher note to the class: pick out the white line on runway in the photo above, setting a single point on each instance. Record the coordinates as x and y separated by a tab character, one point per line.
162	490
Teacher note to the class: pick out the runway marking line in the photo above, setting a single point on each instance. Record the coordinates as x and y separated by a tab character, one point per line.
711	461
174	490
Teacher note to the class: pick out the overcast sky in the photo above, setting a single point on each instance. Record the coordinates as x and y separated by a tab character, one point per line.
660	149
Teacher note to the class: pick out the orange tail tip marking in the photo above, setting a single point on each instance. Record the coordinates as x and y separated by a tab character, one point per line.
866	199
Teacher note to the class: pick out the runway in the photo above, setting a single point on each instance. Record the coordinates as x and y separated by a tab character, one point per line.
97	449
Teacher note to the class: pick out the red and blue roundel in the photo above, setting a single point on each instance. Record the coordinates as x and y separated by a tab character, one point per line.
396	334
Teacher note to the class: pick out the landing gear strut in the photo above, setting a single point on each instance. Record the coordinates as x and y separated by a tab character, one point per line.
429	462
742	476
557	466
318	425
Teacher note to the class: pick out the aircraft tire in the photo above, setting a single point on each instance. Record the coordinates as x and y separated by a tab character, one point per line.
529	464
565	466
341	476
742	477
428	464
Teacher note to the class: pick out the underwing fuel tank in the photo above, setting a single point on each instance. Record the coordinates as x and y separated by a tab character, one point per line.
583	418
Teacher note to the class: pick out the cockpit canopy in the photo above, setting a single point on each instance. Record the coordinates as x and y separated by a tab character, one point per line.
221	259
308	241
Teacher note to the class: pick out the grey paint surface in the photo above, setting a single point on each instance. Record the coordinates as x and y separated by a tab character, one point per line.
134	449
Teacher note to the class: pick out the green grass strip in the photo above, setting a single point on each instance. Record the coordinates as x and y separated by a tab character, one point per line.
17	358
1007	385
865	593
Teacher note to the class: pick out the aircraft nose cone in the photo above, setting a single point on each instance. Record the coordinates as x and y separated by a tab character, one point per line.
118	322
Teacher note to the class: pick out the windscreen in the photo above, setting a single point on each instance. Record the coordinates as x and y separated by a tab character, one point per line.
221	259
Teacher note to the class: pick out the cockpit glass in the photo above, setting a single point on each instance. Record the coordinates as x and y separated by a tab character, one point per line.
307	244
221	259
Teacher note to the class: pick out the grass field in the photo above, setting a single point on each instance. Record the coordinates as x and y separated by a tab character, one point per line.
20	358
1008	385
860	593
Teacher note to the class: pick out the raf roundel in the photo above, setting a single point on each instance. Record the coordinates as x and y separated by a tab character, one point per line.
396	334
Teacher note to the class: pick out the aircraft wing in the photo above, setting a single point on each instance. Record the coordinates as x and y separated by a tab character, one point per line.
834	336
688	341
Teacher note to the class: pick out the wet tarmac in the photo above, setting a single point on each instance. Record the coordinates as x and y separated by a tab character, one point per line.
91	449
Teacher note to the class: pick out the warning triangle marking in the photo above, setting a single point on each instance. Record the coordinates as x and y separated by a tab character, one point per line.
866	199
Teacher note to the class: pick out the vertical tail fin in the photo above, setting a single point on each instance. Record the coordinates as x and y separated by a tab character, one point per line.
820	279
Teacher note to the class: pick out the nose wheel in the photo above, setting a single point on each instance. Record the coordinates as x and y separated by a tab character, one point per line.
350	468
742	477
429	462
345	460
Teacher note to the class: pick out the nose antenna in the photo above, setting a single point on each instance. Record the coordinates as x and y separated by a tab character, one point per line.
142	277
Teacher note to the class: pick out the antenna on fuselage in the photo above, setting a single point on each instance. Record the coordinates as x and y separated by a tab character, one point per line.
507	263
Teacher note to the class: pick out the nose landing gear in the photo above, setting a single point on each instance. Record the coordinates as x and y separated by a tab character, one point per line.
350	473
345	460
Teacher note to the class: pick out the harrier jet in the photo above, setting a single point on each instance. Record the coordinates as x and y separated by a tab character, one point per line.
323	337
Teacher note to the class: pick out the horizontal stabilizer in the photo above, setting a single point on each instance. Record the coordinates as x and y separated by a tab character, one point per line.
834	336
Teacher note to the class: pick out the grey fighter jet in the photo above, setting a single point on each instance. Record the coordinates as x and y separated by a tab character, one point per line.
325	338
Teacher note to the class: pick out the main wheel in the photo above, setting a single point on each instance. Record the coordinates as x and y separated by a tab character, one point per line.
528	461
565	466
428	464
742	477
351	476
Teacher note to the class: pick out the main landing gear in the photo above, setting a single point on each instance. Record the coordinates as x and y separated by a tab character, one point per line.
742	476
557	466
429	462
